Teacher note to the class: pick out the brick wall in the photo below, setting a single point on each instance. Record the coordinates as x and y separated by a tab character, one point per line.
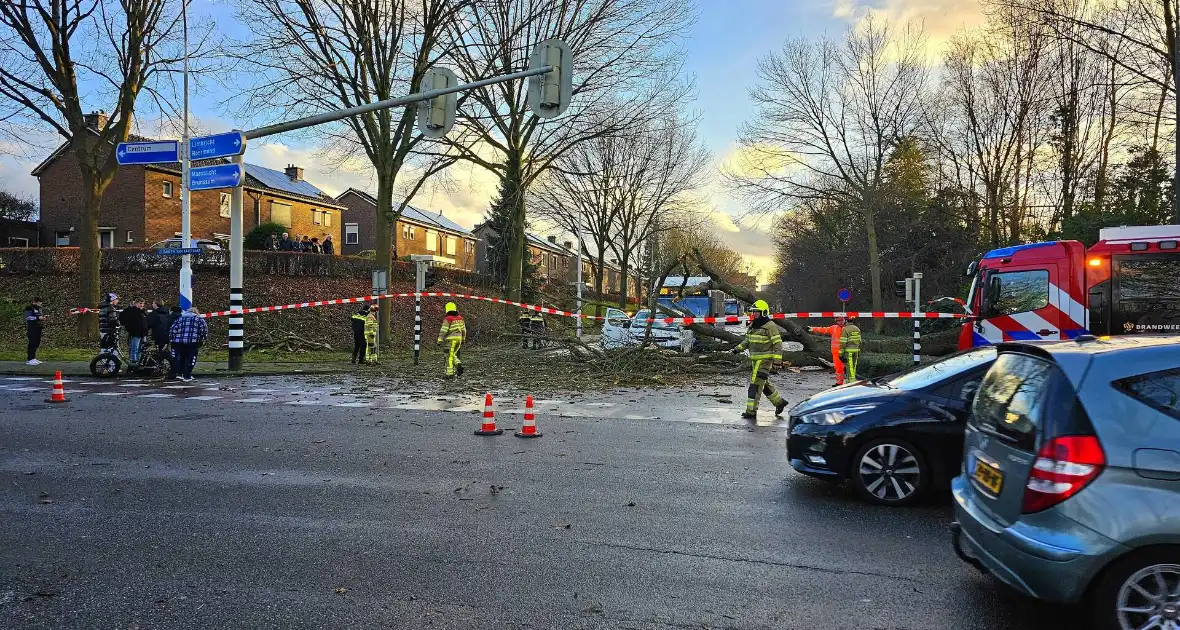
361	212
62	199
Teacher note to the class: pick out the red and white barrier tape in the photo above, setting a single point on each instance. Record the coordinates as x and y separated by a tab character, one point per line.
727	319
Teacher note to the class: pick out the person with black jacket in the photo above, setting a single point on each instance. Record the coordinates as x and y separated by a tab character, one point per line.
33	326
158	322
134	321
108	321
358	334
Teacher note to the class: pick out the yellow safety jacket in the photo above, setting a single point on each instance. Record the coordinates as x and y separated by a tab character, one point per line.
371	327
764	342
452	329
850	338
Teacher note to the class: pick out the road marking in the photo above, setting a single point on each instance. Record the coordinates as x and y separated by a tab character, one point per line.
21	378
353	404
155	395
304	402
203	398
24	389
134	385
178	387
111	394
254	400
261	391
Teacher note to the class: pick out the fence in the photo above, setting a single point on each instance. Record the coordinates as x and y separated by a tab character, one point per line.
66	260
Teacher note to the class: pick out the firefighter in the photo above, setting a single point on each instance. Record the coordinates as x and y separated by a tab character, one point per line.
850	346
834	332
359	345
766	347
537	323
526	328
371	335
453	332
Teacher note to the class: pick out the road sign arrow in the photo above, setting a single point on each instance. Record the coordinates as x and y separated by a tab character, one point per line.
154	152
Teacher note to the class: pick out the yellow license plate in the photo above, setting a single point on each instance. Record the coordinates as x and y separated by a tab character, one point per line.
988	476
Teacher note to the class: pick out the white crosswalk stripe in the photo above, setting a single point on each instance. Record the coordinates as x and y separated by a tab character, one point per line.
156	396
203	398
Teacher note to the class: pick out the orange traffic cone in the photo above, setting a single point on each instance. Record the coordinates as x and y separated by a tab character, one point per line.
529	428
59	390
489	418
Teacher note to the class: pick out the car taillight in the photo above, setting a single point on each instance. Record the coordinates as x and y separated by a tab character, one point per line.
1064	466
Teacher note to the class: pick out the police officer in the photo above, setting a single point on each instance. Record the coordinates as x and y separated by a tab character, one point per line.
537	323
526	328
766	346
33	327
358	334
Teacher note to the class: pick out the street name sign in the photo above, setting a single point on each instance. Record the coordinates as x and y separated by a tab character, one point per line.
217	146
155	152
218	176
179	251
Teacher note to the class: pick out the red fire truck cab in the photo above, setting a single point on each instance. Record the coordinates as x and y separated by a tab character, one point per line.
1127	283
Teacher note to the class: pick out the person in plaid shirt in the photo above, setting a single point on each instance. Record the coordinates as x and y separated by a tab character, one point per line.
187	334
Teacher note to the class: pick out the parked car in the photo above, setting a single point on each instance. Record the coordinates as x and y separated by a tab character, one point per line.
893	438
620	330
1070	484
175	243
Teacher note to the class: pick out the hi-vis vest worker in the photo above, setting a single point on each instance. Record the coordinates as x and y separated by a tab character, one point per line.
766	346
850	346
453	332
834	332
371	335
359	345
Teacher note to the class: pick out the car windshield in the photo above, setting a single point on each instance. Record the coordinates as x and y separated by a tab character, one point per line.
939	371
639	322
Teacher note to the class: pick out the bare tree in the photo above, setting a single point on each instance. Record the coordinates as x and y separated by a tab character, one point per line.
829	114
626	70
58	54
15	208
312	56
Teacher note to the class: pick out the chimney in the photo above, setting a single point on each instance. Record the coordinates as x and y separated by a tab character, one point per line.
295	173
568	245
96	120
553	239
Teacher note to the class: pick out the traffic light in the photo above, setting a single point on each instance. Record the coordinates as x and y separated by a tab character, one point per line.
437	115
431	278
904	288
550	93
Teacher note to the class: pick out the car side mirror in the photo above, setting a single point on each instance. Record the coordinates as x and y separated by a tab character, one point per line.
627	324
969	390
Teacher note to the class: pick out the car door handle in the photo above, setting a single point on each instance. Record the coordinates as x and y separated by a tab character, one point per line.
1044	332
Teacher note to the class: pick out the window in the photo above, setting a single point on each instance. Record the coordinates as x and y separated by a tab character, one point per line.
168	189
927	375
407	231
1149	278
130	236
225	205
431	241
327	219
452	246
1160	390
61	239
352	234
1017	292
468	246
17	241
257	211
106	238
280	213
315	217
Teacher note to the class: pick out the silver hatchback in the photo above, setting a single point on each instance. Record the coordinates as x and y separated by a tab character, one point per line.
1070	486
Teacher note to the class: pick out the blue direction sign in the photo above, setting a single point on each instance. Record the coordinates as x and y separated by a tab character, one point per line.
219	176
179	251
148	152
216	146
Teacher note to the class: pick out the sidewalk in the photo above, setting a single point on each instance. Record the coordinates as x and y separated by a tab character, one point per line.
204	368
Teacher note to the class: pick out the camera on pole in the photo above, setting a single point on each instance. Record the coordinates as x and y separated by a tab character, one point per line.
550	93
437	115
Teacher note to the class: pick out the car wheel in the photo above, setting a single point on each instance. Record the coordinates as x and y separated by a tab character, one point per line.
1141	590
889	471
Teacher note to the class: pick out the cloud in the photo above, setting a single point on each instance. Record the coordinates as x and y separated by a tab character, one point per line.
940	19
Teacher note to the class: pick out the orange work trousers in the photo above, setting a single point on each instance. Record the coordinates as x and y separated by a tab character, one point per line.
839	365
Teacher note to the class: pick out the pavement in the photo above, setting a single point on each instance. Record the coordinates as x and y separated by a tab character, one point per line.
148	507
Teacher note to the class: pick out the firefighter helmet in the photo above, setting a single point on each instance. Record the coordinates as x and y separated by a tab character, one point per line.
761	305
451	307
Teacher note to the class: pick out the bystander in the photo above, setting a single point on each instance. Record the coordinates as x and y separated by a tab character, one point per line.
33	327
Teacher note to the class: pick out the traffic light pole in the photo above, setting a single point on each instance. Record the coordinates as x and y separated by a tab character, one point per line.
547	101
917	320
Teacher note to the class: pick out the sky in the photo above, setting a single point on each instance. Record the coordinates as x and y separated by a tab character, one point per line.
723	47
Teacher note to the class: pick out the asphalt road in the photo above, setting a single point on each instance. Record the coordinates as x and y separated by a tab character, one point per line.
131	512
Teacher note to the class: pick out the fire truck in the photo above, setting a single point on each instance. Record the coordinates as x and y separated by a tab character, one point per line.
1127	283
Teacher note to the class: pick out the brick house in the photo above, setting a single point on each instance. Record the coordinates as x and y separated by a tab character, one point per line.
554	261
142	205
417	231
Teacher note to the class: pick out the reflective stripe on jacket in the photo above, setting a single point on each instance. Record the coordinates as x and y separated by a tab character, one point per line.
358	322
371	327
850	338
764	342
452	328
834	331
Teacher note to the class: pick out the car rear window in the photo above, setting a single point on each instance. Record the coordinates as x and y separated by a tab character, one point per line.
1160	390
1020	395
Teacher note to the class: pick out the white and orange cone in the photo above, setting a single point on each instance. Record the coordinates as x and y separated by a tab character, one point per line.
489	418
59	390
529	428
